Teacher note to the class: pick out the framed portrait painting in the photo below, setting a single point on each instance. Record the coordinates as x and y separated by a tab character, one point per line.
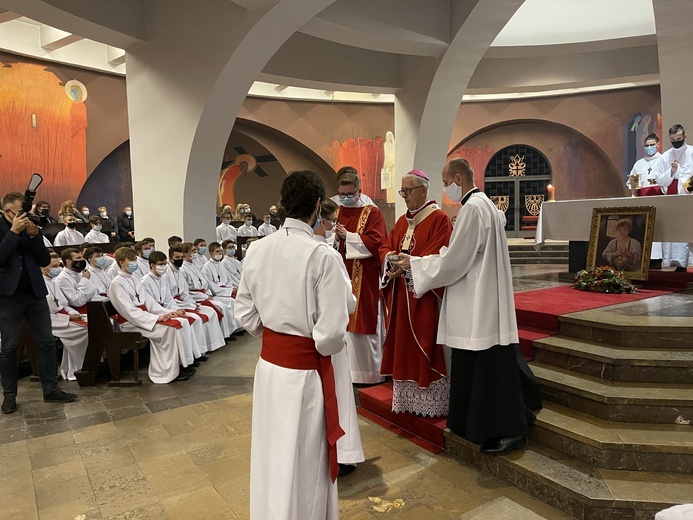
622	239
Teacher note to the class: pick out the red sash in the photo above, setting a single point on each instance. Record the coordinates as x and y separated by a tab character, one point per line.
649	191
298	353
209	304
169	323
78	322
82	309
204	317
673	188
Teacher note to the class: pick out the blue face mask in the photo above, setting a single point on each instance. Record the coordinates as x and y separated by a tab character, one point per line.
146	253
101	261
651	150
317	222
347	200
202	250
230	252
55	271
132	267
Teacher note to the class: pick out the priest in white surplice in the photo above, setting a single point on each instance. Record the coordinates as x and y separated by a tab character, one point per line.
139	312
492	391
293	459
68	324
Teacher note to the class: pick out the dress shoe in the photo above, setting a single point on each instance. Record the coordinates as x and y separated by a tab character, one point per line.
230	338
239	332
504	445
194	364
184	374
9	404
58	396
680	270
202	358
346	469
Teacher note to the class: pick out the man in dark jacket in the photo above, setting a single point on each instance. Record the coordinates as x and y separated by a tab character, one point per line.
126	225
23	296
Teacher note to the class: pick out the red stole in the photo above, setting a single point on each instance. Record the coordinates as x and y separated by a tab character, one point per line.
299	353
169	323
410	351
369	224
78	322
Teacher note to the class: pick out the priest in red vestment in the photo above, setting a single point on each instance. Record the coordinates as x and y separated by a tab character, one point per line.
359	233
411	354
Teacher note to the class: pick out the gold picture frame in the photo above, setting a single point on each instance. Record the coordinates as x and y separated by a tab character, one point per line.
611	245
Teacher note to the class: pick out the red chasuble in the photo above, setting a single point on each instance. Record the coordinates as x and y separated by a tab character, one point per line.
410	352
367	222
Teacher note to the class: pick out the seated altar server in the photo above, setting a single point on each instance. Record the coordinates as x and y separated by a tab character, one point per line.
179	288
247	229
143	249
201	255
266	228
75	281
113	270
68	324
96	265
139	312
225	230
232	264
218	278
295	421
95	236
69	236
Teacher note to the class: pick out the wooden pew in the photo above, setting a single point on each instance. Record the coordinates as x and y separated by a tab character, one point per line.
104	337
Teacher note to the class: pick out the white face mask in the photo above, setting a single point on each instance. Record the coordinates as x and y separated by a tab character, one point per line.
161	269
329	233
97	228
103	214
453	191
128	213
217	257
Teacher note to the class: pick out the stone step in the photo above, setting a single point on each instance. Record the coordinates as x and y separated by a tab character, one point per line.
642	332
614	363
581	490
542	261
531	253
615	400
612	445
529	246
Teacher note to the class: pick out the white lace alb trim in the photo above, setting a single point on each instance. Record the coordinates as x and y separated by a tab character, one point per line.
433	401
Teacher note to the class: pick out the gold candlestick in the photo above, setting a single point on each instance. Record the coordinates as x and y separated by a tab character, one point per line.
634	183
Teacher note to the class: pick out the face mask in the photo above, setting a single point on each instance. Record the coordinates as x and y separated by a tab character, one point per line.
72	225
55	271
241	211
131	267
453	191
161	270
202	250
103	214
318	221
225	222
347	201
85	212
101	261
651	150
230	252
178	263
677	144
218	257
45	211
266	221
128	213
97	228
146	253
329	233
79	265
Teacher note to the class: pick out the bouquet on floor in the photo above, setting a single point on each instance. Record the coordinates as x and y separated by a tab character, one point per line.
604	279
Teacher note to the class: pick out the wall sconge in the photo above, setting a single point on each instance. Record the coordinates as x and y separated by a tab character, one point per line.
34	122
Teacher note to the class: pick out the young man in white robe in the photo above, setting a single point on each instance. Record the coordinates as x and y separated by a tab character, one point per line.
349	447
232	264
672	169
201	292
266	228
96	265
492	390
218	278
225	230
69	236
75	281
143	249
68	324
295	424
179	289
113	270
154	284
95	236
201	255
139	312
247	229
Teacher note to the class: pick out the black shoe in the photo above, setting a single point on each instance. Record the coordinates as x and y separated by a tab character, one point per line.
505	445
230	338
9	404
194	364
202	358
680	270
346	469
59	396
239	332
184	374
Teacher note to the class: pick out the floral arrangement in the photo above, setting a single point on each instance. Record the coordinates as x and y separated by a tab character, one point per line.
604	279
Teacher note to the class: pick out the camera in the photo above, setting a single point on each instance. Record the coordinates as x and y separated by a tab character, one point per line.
29	196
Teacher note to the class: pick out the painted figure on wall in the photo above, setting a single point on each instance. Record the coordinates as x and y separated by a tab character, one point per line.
229	176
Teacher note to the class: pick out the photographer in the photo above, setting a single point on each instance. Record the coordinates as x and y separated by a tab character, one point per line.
22	296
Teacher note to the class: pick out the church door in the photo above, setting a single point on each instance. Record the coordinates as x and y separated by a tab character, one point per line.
515	179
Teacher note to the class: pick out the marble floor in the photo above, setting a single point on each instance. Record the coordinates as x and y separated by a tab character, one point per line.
182	451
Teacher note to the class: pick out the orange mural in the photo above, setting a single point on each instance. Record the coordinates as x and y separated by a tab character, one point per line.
43	130
367	156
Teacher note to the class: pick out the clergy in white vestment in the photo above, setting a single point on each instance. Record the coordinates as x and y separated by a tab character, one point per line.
75	281
672	169
225	230
95	236
179	288
247	229
295	423
96	265
217	276
139	312
492	391
232	264
266	228
154	284
68	324
69	236
201	292
349	447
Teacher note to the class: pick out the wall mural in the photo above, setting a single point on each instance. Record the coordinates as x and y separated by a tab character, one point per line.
44	123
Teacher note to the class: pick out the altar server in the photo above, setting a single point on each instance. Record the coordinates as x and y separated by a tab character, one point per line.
69	236
201	255
139	312
96	263
492	391
247	229
68	324
217	276
75	282
295	425
225	230
232	264
143	249
95	236
266	228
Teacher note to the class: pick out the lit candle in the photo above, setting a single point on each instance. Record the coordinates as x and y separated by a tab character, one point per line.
551	191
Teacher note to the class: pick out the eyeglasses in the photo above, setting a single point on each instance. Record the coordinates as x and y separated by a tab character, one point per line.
407	191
